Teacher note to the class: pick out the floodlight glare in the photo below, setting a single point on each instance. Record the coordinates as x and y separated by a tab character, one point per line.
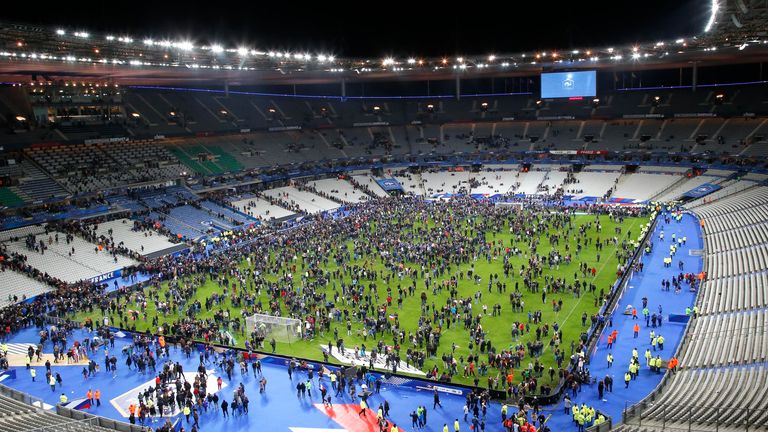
712	15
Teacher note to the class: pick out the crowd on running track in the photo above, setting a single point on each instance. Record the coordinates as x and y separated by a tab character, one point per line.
394	231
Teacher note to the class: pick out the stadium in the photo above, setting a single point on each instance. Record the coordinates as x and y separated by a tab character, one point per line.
201	235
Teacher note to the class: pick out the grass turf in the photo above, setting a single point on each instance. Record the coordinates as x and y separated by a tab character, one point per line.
498	328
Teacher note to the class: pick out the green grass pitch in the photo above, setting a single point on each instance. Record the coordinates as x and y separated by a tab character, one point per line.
498	328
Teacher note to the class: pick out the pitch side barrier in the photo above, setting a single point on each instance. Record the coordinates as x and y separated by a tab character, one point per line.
617	291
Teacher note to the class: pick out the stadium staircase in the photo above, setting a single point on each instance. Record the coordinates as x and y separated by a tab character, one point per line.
37	185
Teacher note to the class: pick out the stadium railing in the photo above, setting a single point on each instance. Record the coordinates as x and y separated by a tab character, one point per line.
78	417
745	419
633	415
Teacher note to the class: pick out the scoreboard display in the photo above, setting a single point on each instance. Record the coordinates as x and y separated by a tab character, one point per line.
568	84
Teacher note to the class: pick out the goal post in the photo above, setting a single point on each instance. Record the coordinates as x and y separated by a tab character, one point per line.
517	205
267	327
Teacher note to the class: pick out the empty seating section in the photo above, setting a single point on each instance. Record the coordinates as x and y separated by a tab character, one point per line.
84	168
19	285
260	208
206	159
747	237
743	339
727	190
143	242
226	213
494	182
370	182
733	293
756	149
528	182
736	246
59	261
200	218
35	185
445	182
725	348
456	138
552	181
306	201
592	184
411	183
341	190
8	198
709	395
641	187
680	188
181	229
18	416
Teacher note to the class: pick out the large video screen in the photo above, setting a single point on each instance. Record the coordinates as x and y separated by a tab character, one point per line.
568	84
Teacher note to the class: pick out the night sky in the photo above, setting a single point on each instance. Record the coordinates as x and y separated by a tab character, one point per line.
382	28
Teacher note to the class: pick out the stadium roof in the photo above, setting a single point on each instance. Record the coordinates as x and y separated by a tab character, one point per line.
735	33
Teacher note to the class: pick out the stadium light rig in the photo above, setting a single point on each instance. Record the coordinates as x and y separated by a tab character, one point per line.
712	16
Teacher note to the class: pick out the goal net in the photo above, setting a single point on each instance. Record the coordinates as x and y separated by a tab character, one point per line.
515	205
266	327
